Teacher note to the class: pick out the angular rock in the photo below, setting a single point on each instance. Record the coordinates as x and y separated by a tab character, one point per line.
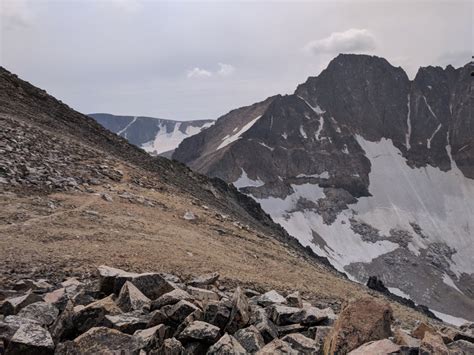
170	346
152	285
380	347
311	316
294	300
271	297
283	315
404	339
131	299
461	347
127	323
202	294
157	317
58	298
217	313
433	344
359	322
204	280
226	345
11	324
265	326
240	313
200	331
321	332
421	329
290	328
15	304
277	347
178	312
151	338
171	298
42	312
31	339
63	327
250	338
100	340
196	315
93	315
301	343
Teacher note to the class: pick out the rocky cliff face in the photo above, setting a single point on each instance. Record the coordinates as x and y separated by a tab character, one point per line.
157	136
367	168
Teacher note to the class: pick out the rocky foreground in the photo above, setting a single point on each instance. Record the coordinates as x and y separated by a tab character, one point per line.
122	312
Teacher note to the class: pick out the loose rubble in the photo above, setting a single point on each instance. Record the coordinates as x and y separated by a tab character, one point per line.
123	312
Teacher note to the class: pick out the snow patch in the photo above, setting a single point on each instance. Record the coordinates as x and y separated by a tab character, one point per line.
324	175
408	135
457	321
316	108
303	133
428	143
449	281
398	292
320	128
429	107
119	133
266	146
232	138
245	181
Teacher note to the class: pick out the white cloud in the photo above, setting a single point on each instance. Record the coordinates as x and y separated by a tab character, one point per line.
15	13
225	69
128	6
199	73
352	40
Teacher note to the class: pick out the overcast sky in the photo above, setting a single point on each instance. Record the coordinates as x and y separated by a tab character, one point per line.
194	60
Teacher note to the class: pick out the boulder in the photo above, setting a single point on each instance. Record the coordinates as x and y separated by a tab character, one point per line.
294	300
226	345
421	329
277	347
157	317
11	324
250	338
311	316
63	327
202	294
240	313
151	338
283	315
171	298
14	304
196	315
379	347
200	331
204	280
42	312
127	323
170	346
290	328
320	334
433	344
100	340
30	339
131	298
177	313
359	322
404	339
461	347
269	298
93	315
57	298
152	285
265	326
217	313
301	343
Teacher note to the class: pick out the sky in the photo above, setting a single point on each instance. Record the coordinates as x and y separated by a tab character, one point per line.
199	60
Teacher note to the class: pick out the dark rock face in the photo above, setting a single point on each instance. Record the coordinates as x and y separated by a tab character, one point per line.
365	167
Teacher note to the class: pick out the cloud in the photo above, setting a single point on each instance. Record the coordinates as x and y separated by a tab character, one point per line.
125	6
455	58
15	14
225	69
199	73
352	40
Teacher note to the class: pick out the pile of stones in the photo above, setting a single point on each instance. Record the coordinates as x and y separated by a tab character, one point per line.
156	313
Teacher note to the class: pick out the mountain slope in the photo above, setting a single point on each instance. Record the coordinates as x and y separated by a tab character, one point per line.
367	168
157	136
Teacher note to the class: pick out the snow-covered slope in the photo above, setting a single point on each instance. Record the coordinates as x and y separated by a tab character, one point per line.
155	135
367	168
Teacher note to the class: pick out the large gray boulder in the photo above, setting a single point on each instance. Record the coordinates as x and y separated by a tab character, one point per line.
127	323
250	338
270	298
240	313
42	312
151	338
200	331
131	298
302	344
171	298
31	339
204	280
226	345
14	304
